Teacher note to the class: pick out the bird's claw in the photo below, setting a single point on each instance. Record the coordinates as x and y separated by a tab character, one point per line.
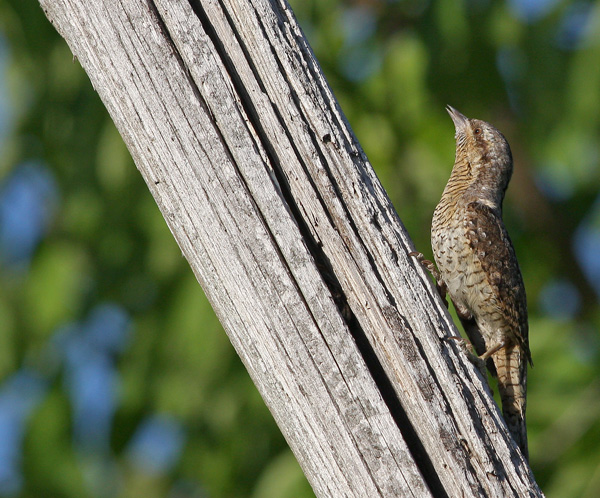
425	263
430	267
467	348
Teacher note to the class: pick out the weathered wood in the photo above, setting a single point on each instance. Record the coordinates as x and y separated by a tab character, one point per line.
282	219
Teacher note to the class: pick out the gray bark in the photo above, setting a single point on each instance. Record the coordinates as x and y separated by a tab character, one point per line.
230	121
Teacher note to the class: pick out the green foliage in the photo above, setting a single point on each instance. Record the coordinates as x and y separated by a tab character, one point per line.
393	66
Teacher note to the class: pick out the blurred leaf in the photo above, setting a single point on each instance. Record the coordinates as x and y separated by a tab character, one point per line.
55	288
51	466
8	349
282	479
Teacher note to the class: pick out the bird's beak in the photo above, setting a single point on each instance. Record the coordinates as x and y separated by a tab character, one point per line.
460	120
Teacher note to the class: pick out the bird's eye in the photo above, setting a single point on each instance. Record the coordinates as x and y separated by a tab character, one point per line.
477	131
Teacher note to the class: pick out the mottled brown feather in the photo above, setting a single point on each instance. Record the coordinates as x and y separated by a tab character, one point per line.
477	262
494	250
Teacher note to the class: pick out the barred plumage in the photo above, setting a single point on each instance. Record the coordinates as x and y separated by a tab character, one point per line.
478	265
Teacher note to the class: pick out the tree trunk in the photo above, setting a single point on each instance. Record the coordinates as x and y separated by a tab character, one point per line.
274	204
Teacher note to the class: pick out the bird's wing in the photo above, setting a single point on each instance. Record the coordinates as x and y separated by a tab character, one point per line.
492	246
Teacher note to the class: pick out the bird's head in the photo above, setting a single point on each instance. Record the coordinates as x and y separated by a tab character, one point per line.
484	157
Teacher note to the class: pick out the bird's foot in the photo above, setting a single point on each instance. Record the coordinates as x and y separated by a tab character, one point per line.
430	267
469	351
425	263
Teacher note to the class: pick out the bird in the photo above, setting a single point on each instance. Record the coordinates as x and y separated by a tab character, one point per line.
477	264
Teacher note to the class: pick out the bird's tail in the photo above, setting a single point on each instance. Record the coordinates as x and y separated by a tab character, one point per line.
511	366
